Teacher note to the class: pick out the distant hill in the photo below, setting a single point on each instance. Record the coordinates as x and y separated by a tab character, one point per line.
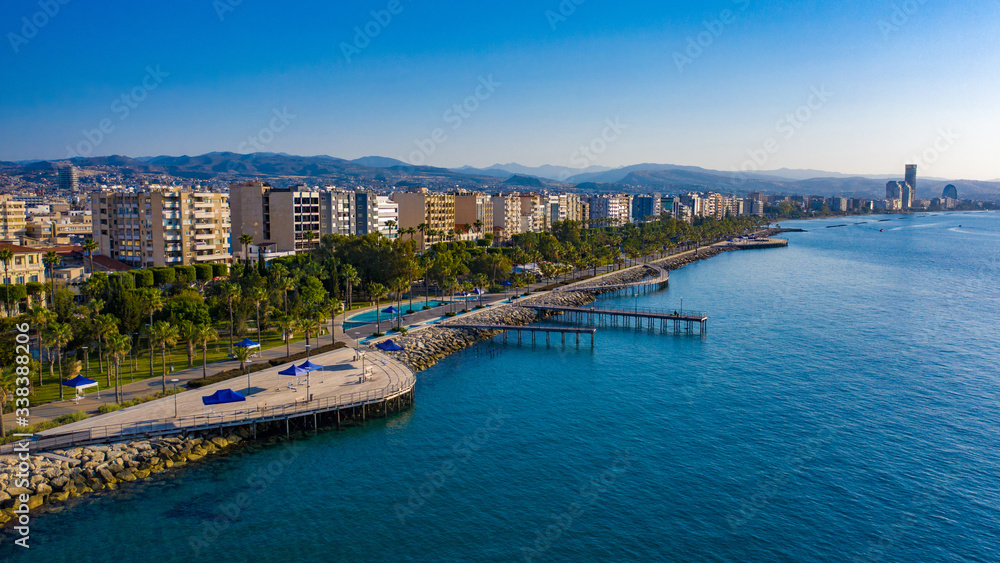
378	162
547	171
524	182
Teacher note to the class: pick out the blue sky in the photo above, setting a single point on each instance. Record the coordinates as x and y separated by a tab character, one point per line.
900	82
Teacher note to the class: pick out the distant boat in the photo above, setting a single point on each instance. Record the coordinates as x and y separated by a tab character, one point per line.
881	230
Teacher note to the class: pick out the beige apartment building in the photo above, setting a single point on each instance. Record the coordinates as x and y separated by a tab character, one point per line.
289	218
437	211
162	226
26	266
506	216
59	229
470	208
12	222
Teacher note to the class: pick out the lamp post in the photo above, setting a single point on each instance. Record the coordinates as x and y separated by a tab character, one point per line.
682	305
308	396
307	351
174	381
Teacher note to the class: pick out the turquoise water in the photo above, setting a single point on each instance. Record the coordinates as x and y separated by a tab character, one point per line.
369	317
843	407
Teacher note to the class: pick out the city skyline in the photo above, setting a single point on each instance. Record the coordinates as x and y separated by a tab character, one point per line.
715	85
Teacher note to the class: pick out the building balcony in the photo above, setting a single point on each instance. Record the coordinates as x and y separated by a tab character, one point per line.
212	257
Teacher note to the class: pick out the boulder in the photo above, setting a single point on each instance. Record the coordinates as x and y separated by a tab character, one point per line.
59	482
220	442
43	489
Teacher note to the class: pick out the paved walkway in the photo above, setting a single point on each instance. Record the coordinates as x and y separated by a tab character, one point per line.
341	377
150	386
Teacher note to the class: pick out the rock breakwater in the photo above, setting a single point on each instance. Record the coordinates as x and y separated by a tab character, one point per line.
43	480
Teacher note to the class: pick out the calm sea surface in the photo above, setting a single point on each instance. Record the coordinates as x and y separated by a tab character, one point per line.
844	406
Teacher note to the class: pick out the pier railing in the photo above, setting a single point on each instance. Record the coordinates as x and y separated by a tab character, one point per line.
405	382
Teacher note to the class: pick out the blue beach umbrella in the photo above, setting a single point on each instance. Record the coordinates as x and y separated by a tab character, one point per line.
247	343
294	371
80	382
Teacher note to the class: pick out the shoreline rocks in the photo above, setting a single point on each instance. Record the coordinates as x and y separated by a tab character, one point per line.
88	469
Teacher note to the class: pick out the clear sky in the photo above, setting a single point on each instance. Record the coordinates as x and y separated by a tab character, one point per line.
710	84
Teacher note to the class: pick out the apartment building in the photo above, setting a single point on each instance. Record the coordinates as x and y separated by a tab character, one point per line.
288	217
611	209
388	217
470	208
162	226
420	207
506	216
12	220
26	266
532	213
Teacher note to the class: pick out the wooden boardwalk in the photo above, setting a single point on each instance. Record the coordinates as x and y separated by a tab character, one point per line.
638	317
661	278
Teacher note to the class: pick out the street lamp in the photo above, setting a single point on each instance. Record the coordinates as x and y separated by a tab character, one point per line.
174	381
307	351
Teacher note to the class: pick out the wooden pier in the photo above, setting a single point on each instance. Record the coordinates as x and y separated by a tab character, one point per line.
666	321
533	330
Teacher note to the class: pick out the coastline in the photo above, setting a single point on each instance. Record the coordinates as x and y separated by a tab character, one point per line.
60	475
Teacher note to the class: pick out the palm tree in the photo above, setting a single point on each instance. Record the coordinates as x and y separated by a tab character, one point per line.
188	332
39	317
308	325
309	236
246	240
164	334
90	245
6	255
410	231
390	225
424	229
377	291
287	325
230	291
8	383
479	226
242	354
351	278
398	285
52	260
152	301
60	335
258	295
284	285
118	349
205	334
334	308
105	326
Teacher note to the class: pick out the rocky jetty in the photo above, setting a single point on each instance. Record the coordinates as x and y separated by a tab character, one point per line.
46	480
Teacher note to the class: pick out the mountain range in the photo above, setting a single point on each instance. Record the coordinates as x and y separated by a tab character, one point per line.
378	171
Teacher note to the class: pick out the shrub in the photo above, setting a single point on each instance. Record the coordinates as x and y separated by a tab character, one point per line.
425	307
109	407
220	270
123	280
203	272
163	276
450	314
143	278
184	274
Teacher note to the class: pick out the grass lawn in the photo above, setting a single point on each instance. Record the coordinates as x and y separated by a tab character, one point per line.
176	357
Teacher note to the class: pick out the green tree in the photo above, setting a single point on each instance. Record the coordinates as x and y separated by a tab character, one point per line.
351	279
60	335
230	291
287	325
51	260
90	246
104	326
188	332
8	383
6	255
258	295
377	291
206	334
119	346
163	334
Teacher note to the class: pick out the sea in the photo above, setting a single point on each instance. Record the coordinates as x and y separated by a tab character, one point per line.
844	405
